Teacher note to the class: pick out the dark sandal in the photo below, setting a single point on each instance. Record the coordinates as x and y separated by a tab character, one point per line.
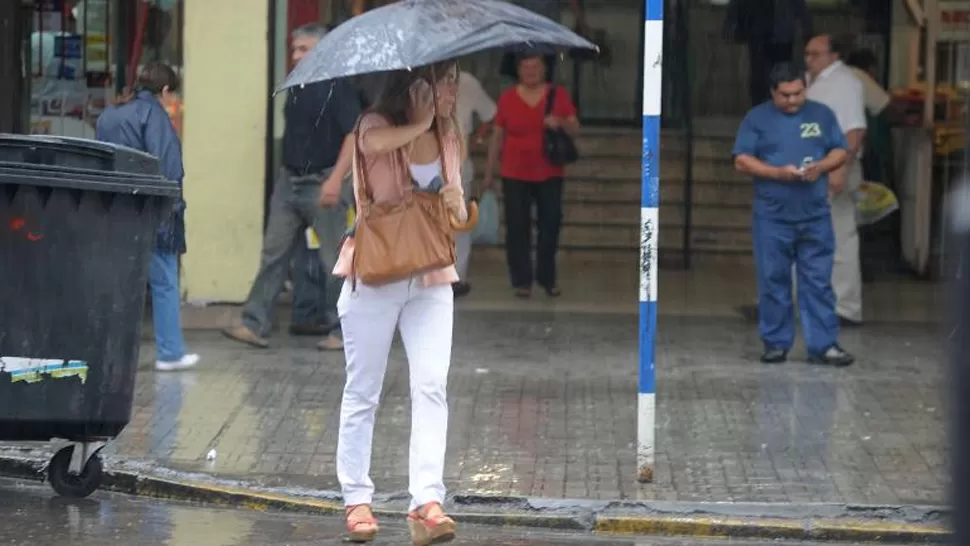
523	293
553	292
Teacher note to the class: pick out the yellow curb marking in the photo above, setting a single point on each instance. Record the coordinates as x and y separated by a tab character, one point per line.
216	494
722	527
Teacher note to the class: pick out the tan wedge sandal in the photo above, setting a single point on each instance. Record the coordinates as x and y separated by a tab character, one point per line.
430	525
361	525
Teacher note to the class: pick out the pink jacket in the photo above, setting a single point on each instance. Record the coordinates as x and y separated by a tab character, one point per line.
387	179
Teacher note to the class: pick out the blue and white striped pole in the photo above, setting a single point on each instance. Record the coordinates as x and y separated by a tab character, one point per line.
649	230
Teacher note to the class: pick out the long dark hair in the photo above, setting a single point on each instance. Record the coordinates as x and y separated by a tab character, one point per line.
154	78
394	98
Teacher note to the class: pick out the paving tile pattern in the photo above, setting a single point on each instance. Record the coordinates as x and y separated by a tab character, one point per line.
544	404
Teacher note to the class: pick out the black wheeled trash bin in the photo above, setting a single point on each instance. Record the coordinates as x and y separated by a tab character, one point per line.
77	227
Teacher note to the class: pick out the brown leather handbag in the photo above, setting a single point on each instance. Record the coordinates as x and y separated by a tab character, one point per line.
394	241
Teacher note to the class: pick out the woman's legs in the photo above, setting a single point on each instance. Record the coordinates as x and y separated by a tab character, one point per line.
517	198
368	316
426	329
163	276
549	222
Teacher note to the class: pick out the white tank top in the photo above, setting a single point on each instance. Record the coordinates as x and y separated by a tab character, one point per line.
425	173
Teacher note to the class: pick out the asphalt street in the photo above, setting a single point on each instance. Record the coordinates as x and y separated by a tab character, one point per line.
31	514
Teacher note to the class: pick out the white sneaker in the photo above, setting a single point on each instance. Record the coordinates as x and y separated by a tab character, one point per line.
184	363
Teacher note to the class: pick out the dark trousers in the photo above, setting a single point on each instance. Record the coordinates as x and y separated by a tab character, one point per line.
518	197
763	55
309	287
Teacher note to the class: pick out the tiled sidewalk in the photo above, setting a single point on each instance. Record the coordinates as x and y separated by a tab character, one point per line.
544	405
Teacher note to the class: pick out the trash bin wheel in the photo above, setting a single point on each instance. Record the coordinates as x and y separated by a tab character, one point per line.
75	486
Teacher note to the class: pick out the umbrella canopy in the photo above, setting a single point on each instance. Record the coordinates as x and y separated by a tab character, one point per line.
412	33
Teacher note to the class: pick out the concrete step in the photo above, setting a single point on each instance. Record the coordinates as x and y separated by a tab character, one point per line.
619	142
671	213
627	236
622	142
670	258
728	193
726	216
708	193
671	167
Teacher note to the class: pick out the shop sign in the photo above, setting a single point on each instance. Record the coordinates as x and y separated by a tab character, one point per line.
954	21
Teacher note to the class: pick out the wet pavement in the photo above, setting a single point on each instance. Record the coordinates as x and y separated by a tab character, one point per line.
544	405
33	516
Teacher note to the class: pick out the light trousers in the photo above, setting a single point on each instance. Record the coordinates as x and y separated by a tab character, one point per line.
847	270
369	316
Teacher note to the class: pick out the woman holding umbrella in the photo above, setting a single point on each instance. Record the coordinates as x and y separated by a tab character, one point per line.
409	141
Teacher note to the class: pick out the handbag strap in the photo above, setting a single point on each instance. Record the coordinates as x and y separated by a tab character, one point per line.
550	99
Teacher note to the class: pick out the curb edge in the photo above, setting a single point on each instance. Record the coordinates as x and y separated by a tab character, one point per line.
770	528
132	483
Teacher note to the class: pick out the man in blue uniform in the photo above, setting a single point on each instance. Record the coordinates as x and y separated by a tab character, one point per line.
789	145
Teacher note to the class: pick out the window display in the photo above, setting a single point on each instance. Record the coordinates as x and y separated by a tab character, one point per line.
76	60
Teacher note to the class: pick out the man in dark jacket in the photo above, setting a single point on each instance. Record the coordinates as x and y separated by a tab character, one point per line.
768	28
318	117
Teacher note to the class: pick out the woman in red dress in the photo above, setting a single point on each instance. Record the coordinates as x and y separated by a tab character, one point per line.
527	176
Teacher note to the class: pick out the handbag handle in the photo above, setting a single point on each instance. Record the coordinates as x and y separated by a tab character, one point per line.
469	224
361	171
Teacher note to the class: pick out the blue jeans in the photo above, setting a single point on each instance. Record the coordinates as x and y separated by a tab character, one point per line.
163	276
810	247
309	288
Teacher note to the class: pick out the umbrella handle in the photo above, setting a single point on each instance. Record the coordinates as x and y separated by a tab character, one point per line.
470	223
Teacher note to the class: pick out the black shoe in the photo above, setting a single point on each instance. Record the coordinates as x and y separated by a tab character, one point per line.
834	356
774	356
315	330
749	312
848	323
461	288
552	291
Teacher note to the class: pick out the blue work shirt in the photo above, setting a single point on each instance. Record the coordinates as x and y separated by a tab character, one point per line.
779	139
143	124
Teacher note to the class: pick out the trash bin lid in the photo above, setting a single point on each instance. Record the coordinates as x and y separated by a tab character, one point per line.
78	163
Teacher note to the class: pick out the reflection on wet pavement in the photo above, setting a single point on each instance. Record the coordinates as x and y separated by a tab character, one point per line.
609	283
32	516
545	405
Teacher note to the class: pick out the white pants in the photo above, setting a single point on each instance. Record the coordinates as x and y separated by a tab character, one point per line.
368	317
463	241
847	269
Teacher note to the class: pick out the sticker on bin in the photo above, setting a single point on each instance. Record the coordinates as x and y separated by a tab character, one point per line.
35	370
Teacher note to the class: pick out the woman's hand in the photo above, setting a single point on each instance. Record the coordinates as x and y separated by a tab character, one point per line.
454	199
552	122
422	104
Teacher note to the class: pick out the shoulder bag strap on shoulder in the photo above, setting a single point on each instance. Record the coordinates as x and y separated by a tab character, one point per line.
550	98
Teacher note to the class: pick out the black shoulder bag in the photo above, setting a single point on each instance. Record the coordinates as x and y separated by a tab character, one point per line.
559	146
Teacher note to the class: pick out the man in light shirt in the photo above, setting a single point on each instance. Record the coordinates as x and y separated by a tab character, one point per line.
833	83
473	102
877	163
